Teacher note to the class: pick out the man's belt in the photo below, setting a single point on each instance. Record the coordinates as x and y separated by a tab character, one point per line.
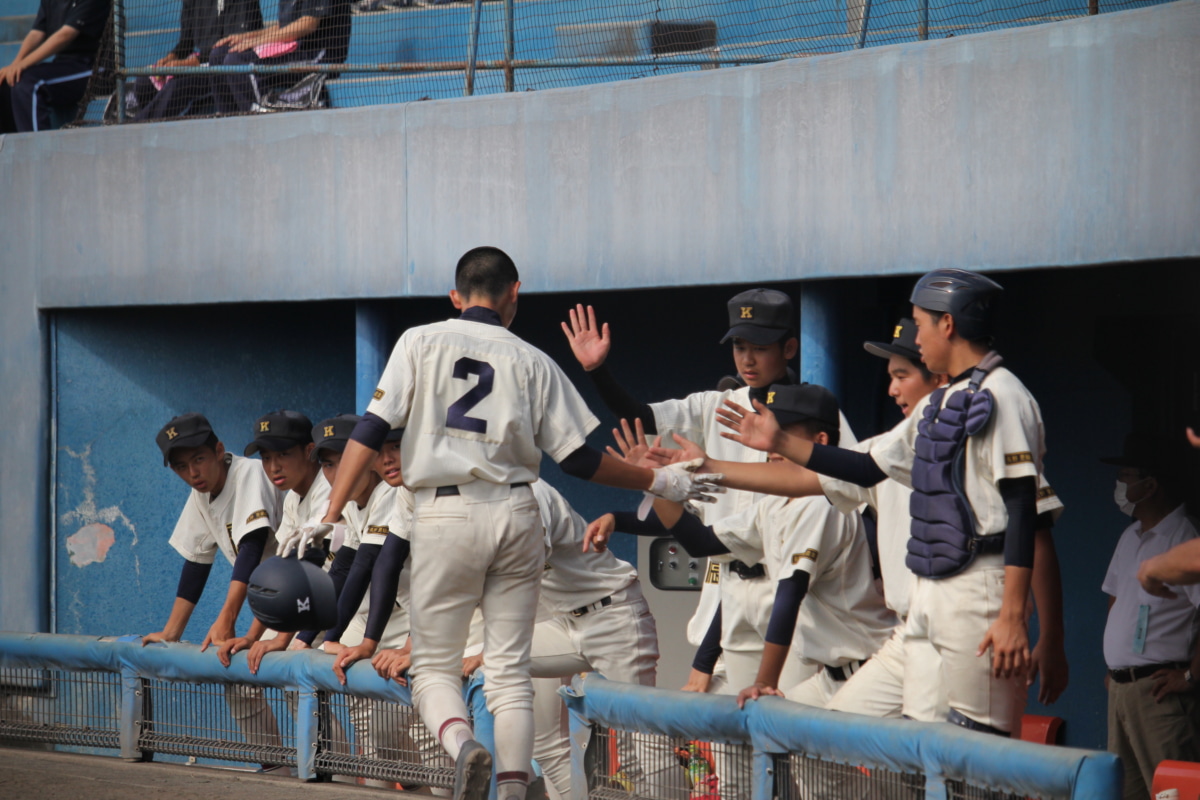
842	674
747	572
603	602
454	491
987	545
1131	674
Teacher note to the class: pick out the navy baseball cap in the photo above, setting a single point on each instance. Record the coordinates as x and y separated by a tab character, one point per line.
279	431
185	430
761	316
333	433
904	343
791	404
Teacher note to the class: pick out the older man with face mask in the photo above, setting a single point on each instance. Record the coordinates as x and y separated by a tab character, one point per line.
1150	642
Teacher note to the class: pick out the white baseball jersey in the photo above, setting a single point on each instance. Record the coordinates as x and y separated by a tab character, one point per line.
843	617
248	501
479	403
572	578
299	511
695	418
1011	446
372	525
890	499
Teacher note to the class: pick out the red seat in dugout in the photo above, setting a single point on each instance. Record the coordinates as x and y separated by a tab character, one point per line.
1181	775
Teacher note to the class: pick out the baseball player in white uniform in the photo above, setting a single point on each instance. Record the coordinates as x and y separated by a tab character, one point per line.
232	508
762	330
972	454
591	616
479	407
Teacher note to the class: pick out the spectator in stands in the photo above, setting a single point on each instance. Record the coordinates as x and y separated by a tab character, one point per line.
1150	643
315	31
68	30
202	23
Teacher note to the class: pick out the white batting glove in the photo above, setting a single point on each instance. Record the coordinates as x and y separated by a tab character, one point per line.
302	537
679	483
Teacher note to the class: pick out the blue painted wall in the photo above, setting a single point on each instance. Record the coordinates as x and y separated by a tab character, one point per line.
120	377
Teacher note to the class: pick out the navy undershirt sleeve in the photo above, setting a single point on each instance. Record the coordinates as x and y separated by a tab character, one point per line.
697	538
582	463
710	648
355	587
371	431
337	573
250	551
620	402
192	579
845	465
628	522
385	578
1020	500
789	593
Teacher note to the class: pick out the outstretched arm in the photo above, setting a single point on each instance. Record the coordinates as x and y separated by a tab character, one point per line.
591	343
1179	566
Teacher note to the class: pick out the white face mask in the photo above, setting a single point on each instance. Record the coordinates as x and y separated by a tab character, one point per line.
1120	495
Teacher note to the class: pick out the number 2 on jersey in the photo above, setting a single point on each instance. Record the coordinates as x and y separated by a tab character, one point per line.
456	415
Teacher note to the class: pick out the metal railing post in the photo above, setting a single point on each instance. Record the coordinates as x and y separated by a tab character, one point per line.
923	20
119	56
472	48
866	20
510	47
308	732
135	702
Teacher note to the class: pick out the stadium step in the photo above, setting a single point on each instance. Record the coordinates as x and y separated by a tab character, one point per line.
14	29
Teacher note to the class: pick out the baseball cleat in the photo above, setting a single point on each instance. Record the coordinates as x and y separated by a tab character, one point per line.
472	772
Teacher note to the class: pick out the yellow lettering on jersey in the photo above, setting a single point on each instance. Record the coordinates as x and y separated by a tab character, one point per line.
896	333
714	573
264	427
1018	458
810	554
1045	491
229	532
747	312
328	431
171	434
378	529
770	398
260	514
378	394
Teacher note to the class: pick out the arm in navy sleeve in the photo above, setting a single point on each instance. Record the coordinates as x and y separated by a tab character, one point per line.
1020	500
710	648
582	463
845	465
355	587
697	539
192	580
620	402
371	431
385	579
250	551
789	593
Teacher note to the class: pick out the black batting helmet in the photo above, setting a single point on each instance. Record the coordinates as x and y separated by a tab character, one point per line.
967	296
291	594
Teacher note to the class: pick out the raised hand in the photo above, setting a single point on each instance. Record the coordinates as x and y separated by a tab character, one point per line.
589	342
759	431
634	449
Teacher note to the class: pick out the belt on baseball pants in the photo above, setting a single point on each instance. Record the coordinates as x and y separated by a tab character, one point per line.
842	674
453	491
1131	674
747	572
603	602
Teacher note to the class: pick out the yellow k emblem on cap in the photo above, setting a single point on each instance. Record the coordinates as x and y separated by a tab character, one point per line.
896	333
264	427
171	434
328	431
770	398
747	312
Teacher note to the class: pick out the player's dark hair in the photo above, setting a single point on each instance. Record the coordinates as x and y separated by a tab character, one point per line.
919	364
812	427
485	272
987	340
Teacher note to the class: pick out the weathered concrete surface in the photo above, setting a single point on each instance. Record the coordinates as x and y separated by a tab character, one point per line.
40	775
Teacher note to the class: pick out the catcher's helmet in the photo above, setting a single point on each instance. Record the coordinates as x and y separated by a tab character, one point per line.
290	594
967	296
